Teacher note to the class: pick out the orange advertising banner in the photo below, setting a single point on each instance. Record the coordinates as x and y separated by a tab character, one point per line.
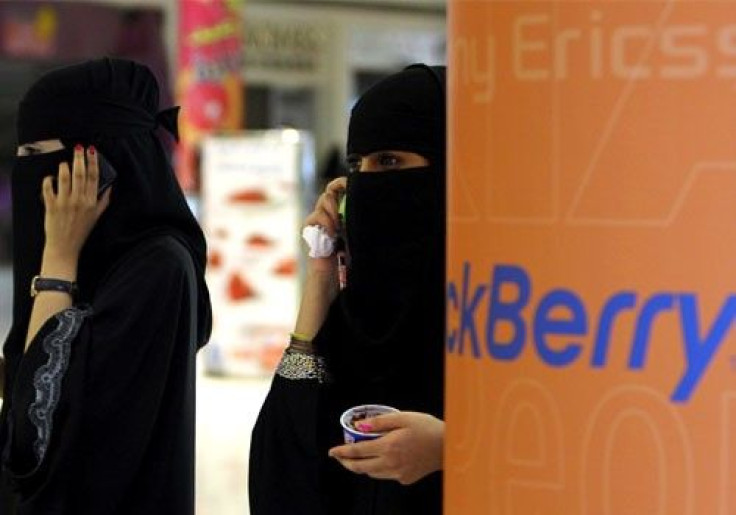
592	258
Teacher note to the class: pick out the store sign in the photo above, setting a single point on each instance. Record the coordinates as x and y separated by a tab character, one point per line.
209	83
381	47
283	46
591	336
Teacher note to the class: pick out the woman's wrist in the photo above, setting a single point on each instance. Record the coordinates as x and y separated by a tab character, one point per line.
59	265
301	342
322	269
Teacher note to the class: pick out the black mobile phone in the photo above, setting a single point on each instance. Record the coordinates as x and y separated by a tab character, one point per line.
108	174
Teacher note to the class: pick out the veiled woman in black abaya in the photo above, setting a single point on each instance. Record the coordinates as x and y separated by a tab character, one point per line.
377	341
98	411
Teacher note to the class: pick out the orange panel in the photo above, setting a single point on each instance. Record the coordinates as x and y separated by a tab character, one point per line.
592	258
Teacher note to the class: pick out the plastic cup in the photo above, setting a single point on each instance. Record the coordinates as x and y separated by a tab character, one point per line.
358	413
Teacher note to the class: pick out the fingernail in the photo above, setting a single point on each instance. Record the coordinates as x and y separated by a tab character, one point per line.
78	147
365	428
92	149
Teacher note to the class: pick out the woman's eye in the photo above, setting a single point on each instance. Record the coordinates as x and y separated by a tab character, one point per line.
388	161
353	164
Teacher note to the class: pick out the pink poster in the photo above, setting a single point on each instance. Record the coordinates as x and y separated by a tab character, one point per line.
209	82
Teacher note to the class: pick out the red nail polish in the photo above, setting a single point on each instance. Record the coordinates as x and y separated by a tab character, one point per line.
78	147
92	149
365	428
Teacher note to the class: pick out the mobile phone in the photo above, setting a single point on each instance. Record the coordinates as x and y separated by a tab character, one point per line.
341	207
340	247
108	174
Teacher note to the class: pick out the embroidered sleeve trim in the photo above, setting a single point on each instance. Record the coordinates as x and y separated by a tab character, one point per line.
47	379
296	365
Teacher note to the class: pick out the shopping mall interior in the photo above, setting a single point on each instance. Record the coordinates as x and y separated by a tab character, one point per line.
283	87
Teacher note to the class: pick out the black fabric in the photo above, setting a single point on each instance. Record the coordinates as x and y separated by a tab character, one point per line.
393	242
123	437
113	104
383	336
110	97
401	112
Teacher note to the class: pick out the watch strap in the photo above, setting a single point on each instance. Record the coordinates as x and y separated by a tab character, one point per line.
39	284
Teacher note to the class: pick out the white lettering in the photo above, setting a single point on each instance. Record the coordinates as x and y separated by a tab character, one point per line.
561	44
727	46
695	56
522	46
620	41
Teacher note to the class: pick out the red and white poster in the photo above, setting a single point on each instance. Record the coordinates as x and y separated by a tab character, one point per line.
252	213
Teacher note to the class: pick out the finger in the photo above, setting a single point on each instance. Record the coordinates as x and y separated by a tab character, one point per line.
337	186
359	450
47	191
93	172
376	468
382	423
63	183
332	202
373	467
329	204
323	219
79	174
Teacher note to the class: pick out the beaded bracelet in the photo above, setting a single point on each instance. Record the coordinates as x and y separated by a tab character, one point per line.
300	363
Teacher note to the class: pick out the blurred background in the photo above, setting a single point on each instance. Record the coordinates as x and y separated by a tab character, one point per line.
265	88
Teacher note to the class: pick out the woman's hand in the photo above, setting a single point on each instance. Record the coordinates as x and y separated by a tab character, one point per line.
320	284
74	209
325	214
411	448
71	213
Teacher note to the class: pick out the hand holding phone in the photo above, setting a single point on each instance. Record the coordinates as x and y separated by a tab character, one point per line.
107	175
74	208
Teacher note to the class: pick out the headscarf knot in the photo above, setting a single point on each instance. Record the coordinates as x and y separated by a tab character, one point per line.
169	120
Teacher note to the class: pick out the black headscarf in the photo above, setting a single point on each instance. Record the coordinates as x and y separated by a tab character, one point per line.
113	104
386	329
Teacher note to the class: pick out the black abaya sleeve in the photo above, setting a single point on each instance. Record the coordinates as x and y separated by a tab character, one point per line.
287	456
102	413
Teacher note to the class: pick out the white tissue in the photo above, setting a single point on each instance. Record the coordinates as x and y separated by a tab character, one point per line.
320	243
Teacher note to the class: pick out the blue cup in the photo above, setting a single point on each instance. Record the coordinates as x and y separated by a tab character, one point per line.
354	415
